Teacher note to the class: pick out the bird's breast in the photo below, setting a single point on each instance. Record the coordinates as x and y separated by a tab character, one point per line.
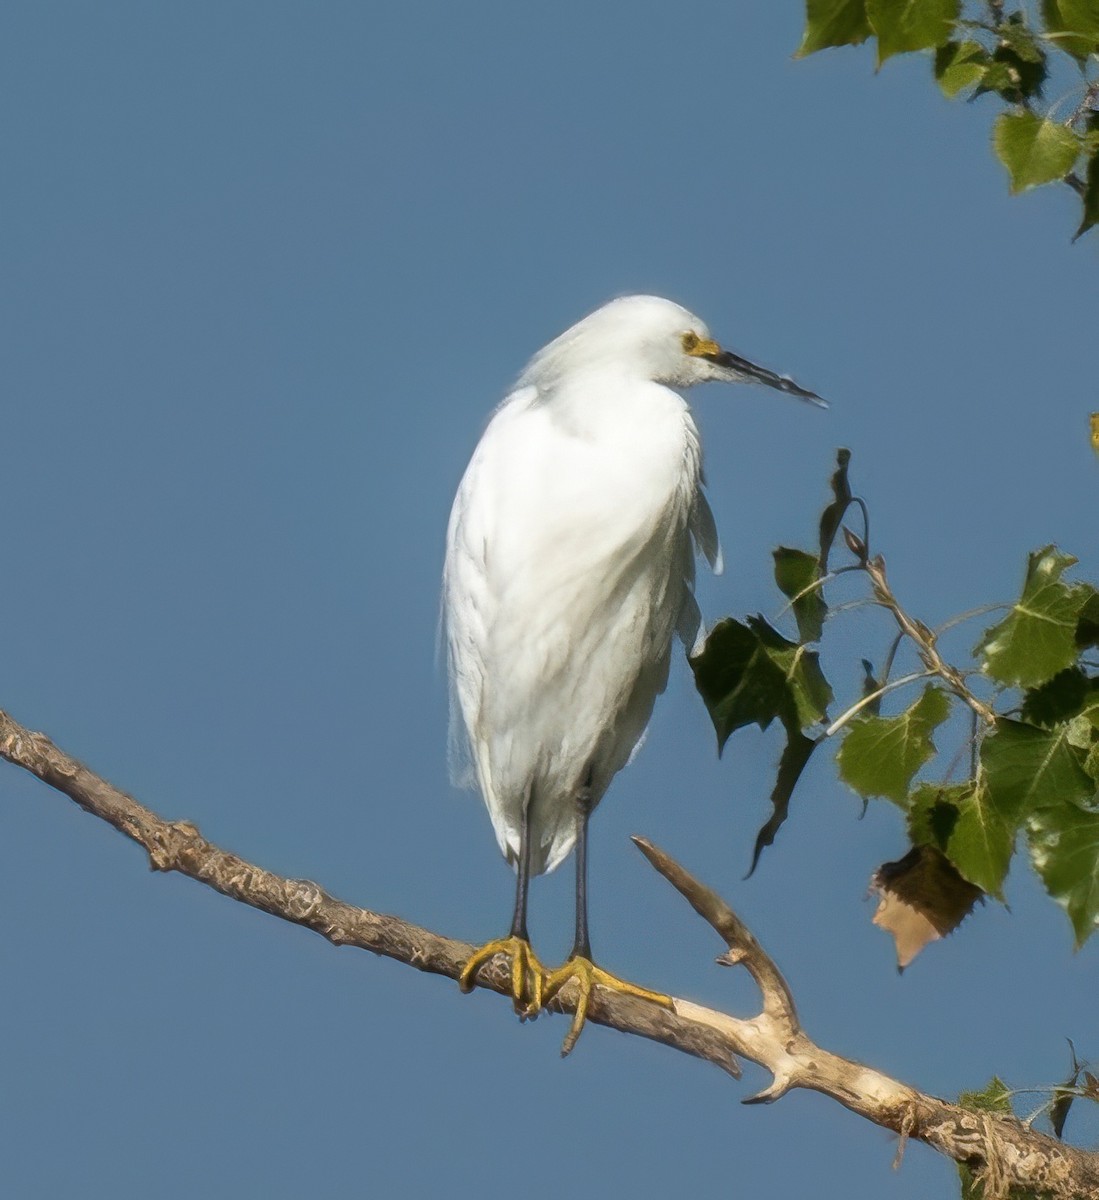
581	487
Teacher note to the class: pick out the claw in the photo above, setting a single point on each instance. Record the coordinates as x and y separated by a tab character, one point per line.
527	973
587	976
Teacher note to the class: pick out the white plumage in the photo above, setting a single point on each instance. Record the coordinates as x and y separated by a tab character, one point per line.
569	565
569	568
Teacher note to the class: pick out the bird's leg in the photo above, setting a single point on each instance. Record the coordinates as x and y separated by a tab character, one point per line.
522	880
580	966
581	944
527	973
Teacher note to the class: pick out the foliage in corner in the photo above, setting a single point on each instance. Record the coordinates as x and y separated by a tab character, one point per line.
1022	769
994	1098
982	48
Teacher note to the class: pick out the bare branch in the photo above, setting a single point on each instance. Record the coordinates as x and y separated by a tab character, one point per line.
1001	1151
744	949
179	846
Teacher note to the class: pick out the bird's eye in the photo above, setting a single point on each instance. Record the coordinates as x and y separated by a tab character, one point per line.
690	342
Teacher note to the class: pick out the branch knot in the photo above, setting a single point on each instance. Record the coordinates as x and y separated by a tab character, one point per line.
167	844
304	898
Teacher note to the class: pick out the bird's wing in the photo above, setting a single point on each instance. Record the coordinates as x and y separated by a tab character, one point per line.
704	531
568	571
469	600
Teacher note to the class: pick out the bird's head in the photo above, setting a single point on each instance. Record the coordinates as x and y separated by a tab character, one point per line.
655	339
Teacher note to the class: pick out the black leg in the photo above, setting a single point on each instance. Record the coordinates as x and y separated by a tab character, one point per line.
522	879
528	976
580	970
581	947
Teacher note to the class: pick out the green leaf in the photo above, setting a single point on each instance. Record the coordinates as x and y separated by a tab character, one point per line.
1082	16
737	681
1026	768
833	23
750	674
959	65
1016	34
1064	847
1072	26
1080	731
871	686
1087	624
1038	637
832	517
994	1097
805	681
1091	196
1059	699
906	25
1064	1095
1018	67
1091	763
797	571
795	755
961	822
880	755
1033	149
1001	78
1089	713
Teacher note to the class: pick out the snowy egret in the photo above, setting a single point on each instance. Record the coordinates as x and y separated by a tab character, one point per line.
569	568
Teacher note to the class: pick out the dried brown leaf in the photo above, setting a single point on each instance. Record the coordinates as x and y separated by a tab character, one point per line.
922	899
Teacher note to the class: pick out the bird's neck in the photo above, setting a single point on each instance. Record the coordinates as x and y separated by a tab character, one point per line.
612	404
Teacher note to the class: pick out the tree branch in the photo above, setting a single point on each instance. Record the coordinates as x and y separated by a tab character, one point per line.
1002	1151
924	640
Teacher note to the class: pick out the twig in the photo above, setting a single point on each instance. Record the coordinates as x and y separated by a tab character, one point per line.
850	605
1089	103
870	697
998	1148
968	615
924	640
815	586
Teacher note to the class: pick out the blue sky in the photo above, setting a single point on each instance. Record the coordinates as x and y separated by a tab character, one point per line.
265	269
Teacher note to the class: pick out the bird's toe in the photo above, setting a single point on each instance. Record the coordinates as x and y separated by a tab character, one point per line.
587	976
527	975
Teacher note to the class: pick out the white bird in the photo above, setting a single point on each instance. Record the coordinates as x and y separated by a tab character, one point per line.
569	568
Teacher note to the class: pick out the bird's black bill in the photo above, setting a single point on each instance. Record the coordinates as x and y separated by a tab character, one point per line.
749	370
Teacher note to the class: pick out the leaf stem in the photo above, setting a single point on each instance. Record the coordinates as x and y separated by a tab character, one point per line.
859	705
961	618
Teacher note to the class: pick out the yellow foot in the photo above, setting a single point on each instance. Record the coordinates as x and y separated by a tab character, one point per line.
528	976
587	975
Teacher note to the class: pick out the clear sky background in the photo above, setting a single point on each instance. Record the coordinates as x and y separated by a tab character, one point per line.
265	270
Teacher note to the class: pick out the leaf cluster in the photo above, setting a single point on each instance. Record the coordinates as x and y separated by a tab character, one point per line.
1031	744
996	1098
982	49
